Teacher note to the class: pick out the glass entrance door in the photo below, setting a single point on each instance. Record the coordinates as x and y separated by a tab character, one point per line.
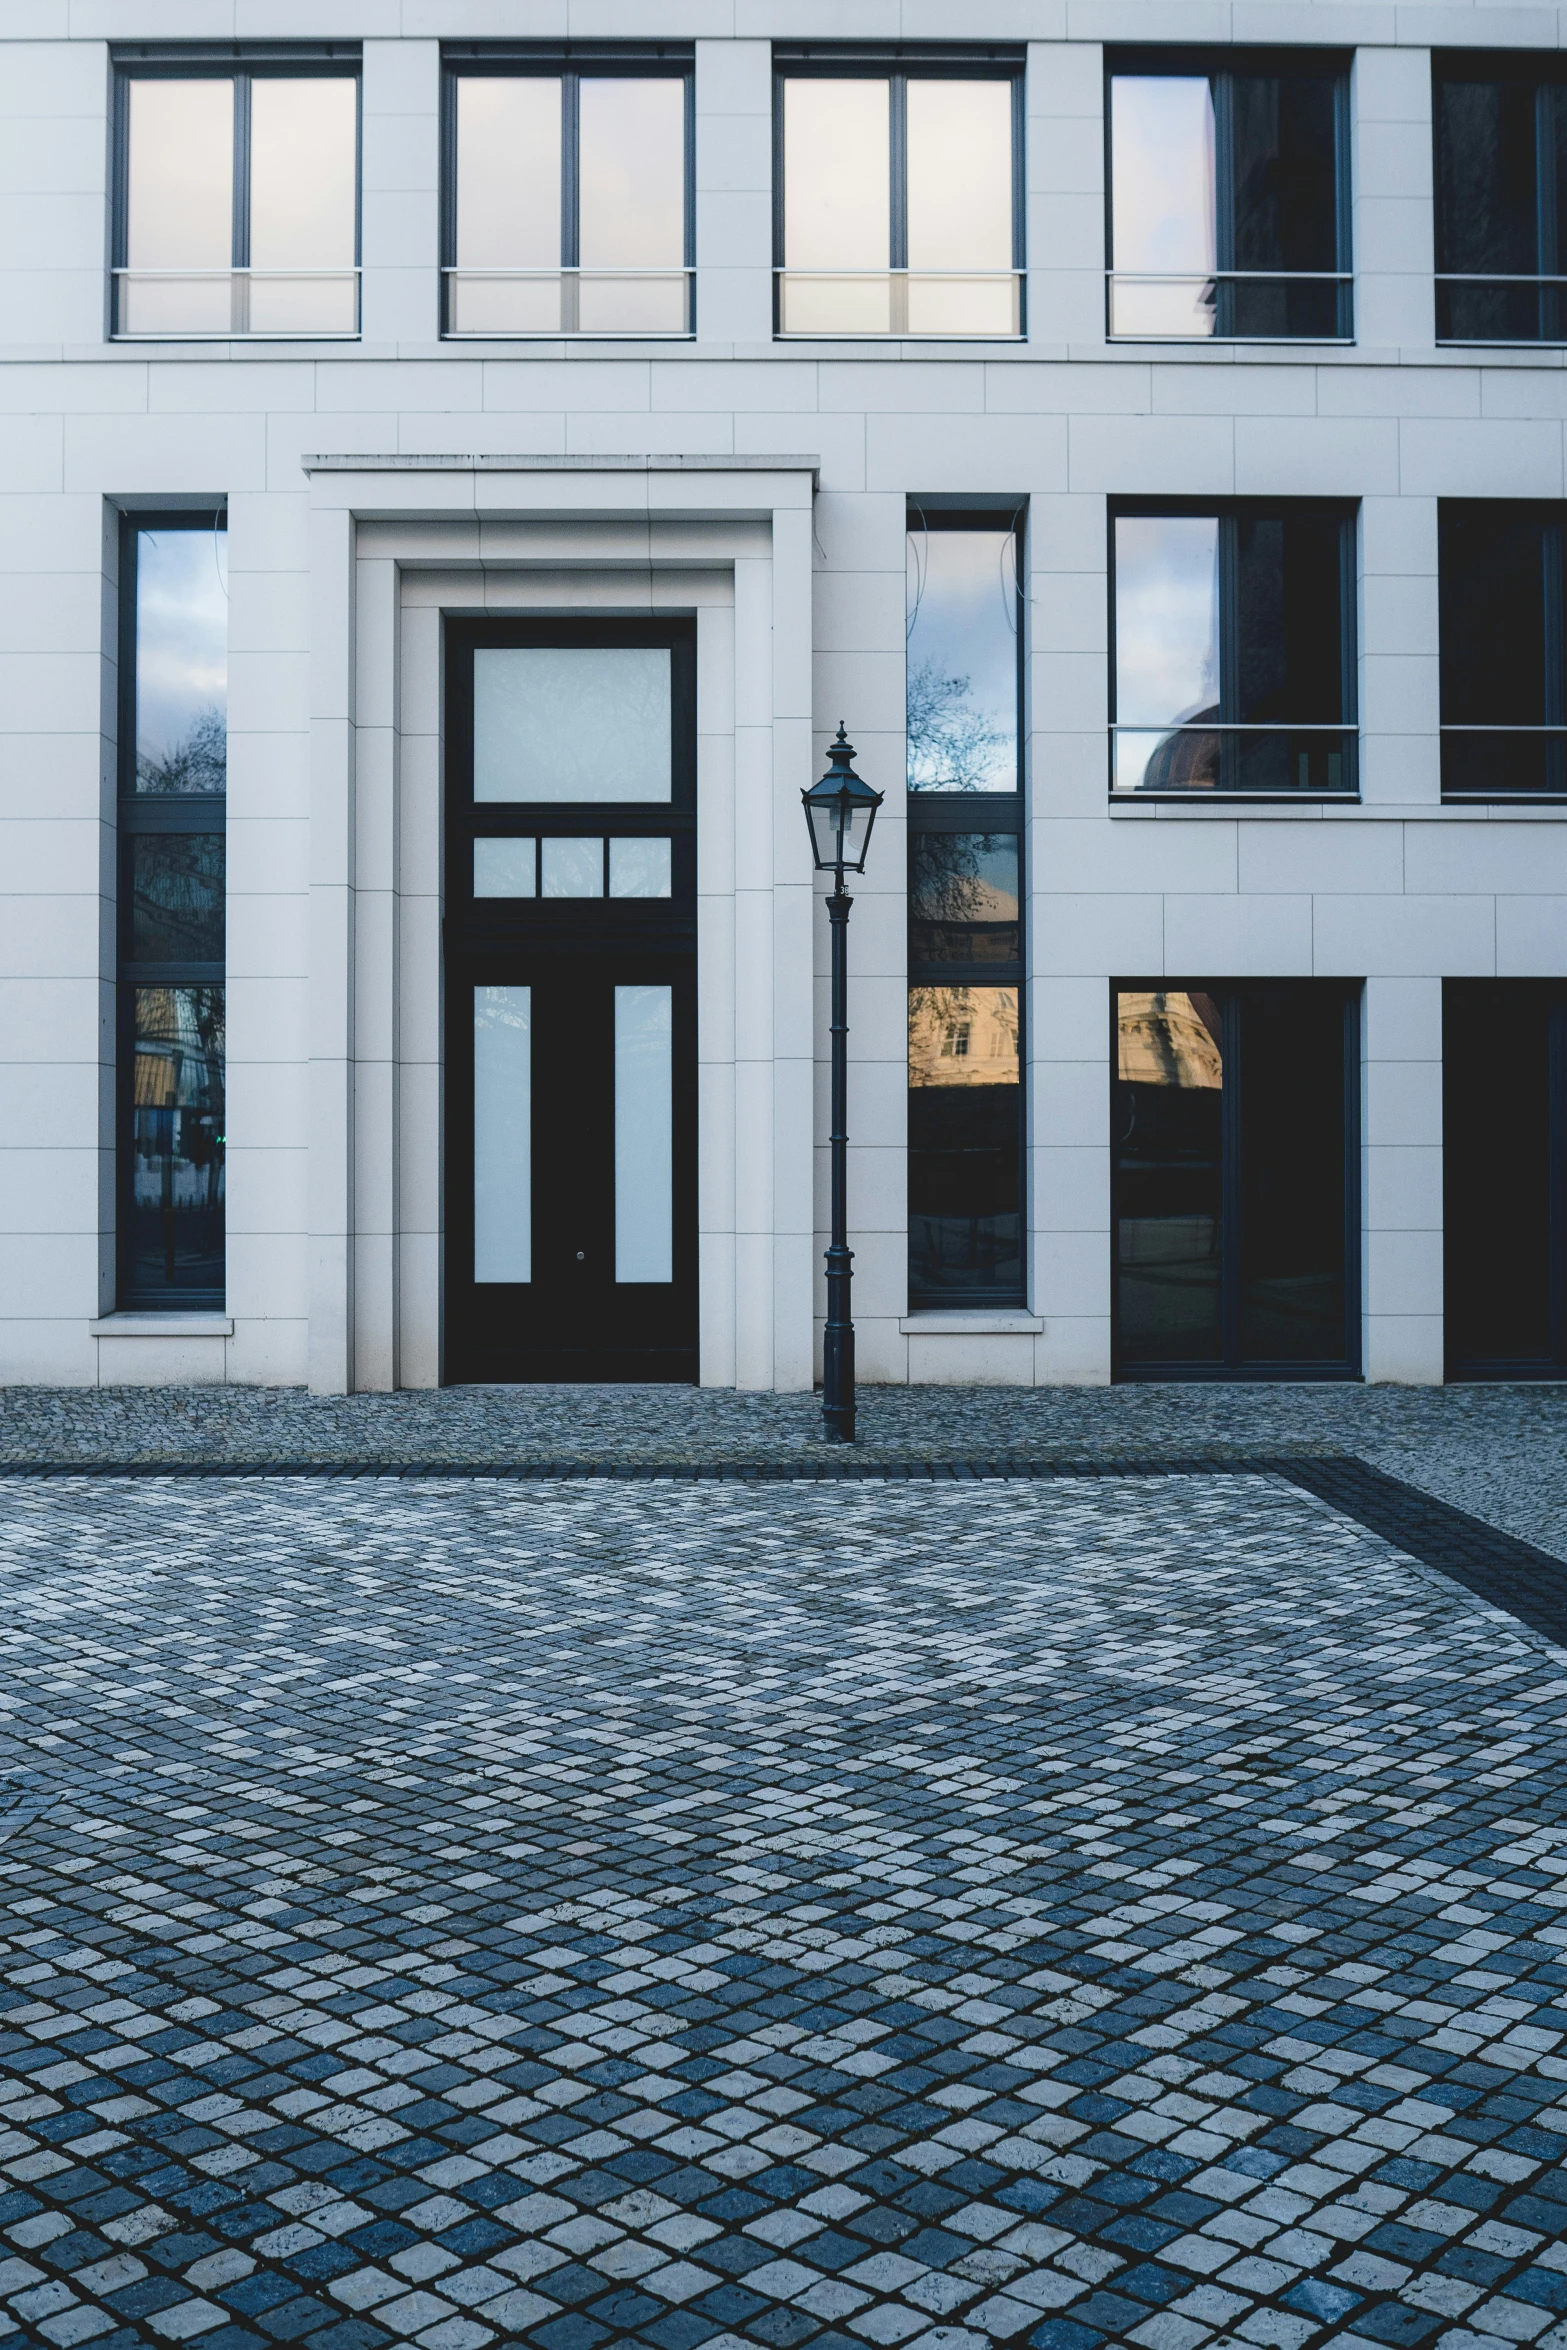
571	1003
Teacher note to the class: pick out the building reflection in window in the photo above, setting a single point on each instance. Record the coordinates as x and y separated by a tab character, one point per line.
965	1193
177	1141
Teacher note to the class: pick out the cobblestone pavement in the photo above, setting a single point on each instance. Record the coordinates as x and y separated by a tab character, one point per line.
693	1916
1500	1452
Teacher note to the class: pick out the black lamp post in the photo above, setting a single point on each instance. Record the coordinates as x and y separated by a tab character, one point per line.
840	811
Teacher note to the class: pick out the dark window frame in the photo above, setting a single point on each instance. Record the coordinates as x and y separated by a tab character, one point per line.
1551	729
1222	65
243	63
137	814
1546	71
983	812
1231	1367
569	62
898	63
1229	512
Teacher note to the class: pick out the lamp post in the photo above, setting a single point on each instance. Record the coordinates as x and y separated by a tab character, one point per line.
840	811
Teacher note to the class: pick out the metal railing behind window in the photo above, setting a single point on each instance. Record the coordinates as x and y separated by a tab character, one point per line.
188	304
569	301
1241	305
1500	309
1504	762
987	304
1222	758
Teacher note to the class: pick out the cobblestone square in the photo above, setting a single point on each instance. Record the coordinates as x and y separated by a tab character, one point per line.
1058	1914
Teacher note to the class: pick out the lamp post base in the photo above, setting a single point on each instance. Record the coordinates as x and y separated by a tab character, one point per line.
838	1360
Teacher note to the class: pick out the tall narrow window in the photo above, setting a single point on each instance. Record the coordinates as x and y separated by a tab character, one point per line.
173	781
238	207
1234	649
965	812
568	206
1504	649
1235	1180
899	204
1227	206
1501	182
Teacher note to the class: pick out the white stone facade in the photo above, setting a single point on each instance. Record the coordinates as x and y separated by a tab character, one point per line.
762	484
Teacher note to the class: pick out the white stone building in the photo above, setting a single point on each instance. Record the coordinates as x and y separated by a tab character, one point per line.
459	462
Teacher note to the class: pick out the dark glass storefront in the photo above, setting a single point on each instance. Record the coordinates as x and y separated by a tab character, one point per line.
1504	1092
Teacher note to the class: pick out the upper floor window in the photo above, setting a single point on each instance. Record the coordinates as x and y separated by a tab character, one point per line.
1228	211
1501	177
238	196
898	198
1233	629
569	194
1504	648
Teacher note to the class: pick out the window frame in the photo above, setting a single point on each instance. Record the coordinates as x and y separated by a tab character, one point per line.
136	814
897	64
1545	70
569	62
1551	515
987	812
1229	512
243	64
1222	65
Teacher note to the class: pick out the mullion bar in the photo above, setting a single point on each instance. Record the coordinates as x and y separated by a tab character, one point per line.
1230	1236
570	167
898	172
241	227
1224	201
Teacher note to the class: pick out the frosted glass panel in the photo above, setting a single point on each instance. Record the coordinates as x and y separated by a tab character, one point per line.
302	173
632	208
639	868
644	1134
503	869
508	174
502	1155
837	165
571	869
571	722
960	176
181	193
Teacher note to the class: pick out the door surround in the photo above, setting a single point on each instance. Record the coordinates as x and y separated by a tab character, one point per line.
398	544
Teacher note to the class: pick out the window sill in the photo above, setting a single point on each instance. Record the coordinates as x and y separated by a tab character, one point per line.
158	1325
1003	1322
1235	799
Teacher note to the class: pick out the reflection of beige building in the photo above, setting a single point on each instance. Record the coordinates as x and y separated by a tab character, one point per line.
1164	1040
963	1036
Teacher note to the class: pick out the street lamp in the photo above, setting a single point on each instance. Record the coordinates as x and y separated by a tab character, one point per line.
840	811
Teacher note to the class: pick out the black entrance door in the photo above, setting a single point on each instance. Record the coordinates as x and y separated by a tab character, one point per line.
571	1002
1504	1094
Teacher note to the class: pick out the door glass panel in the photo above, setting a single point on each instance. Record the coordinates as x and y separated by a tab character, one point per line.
639	868
632	211
644	1134
177	1142
837	174
1168	1134
960	175
176	898
965	1188
1292	1176
963	889
571	868
502	1136
962	694
571	722
504	868
1163	213
1496	1086
181	660
1166	642
181	187
508	172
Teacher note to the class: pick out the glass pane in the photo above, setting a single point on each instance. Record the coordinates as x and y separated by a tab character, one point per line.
633	305
177	1143
965	1143
182	660
644	1134
303	174
176	898
504	868
639	868
1167	309
1166	618
963	897
1306	308
960	175
962	660
508	174
963	305
1497	1166
1487	209
1492	573
502	1134
571	868
834	305
837	174
1286	178
1169	1079
1292	1176
1162	173
484	305
1289	619
632	208
571	722
180	197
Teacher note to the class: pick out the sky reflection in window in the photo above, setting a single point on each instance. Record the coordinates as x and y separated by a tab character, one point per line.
962	660
182	629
